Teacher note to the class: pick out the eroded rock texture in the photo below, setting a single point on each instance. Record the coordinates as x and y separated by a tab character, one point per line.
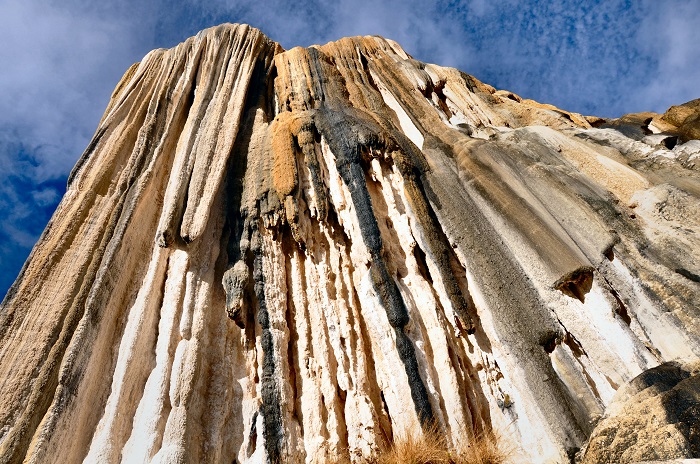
270	255
655	417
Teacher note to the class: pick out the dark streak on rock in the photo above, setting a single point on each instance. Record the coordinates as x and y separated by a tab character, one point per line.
345	141
688	275
272	416
244	247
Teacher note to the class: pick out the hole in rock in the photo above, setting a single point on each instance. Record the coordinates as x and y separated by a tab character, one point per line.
609	253
427	90
621	309
670	142
442	99
571	454
577	283
573	345
386	406
564	115
419	254
363	61
342	394
549	341
469	130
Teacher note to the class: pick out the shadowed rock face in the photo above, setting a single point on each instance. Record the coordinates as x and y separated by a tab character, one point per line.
268	255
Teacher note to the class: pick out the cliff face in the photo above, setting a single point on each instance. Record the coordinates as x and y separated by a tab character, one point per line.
298	255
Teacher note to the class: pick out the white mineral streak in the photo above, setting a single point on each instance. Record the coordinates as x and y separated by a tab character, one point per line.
664	332
138	336
542	264
405	122
149	420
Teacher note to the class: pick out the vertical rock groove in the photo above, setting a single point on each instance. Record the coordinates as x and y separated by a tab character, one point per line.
294	256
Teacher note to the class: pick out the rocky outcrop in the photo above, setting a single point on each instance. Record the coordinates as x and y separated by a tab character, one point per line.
268	255
683	119
654	417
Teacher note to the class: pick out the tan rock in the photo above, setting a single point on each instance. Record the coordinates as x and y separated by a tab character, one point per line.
685	118
654	417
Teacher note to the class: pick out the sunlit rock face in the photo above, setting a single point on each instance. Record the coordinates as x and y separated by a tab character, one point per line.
295	256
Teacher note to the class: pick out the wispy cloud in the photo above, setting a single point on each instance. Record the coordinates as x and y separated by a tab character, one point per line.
62	59
670	34
600	57
59	63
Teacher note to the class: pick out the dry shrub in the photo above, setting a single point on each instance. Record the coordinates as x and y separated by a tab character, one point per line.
431	447
417	448
484	449
343	458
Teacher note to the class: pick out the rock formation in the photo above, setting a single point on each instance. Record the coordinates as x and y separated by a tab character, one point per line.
297	256
653	417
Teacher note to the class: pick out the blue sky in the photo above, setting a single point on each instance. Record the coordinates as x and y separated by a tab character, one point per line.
61	60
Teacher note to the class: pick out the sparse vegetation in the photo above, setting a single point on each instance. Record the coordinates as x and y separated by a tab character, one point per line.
431	447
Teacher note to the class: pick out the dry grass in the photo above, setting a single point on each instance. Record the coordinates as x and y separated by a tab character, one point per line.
484	449
431	447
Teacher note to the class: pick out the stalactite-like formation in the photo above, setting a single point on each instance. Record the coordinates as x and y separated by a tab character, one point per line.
293	256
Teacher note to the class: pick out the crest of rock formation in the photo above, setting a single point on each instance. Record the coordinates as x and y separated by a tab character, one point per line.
299	256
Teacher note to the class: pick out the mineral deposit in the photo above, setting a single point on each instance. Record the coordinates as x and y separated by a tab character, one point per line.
298	256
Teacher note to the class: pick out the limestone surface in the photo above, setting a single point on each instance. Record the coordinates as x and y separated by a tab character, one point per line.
298	256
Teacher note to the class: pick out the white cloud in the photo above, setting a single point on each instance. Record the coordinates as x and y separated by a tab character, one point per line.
671	34
60	62
45	197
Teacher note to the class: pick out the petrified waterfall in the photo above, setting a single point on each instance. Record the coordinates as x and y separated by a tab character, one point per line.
298	256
